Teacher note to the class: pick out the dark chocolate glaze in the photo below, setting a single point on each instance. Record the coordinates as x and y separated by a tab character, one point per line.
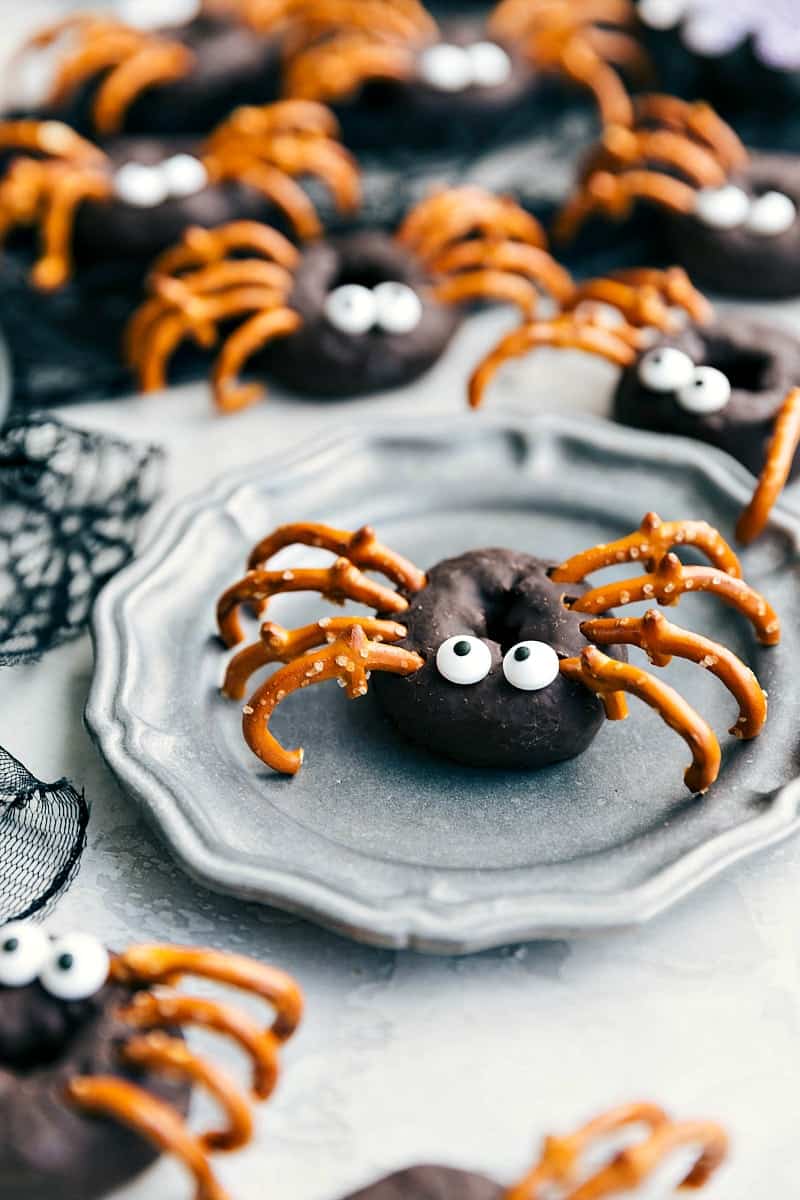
232	66
502	597
320	360
48	1149
734	261
431	1183
762	364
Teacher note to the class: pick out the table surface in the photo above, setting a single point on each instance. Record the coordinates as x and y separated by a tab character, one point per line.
407	1058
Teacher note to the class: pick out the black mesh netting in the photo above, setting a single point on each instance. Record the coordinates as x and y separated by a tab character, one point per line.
42	835
70	507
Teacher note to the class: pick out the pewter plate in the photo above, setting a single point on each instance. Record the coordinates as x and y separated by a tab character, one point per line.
384	842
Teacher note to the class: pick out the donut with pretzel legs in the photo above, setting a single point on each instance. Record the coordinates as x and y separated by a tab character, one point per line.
730	216
495	658
344	316
153	67
135	197
374	59
562	1172
725	381
95	1074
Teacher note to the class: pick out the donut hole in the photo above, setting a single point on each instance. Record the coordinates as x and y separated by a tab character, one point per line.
747	369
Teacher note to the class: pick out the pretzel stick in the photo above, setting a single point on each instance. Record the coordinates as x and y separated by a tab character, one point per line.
335	69
153	1119
349	659
362	548
337	583
282	645
650	544
674	285
604	675
654	634
171	1056
699	119
152	66
264	327
775	472
531	261
632	1166
670	149
53	138
156	964
199	247
616	194
488	285
671	580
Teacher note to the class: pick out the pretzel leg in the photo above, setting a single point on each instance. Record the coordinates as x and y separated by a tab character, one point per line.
616	194
172	1057
632	1166
239	347
277	644
148	1011
152	66
110	1096
532	262
650	544
605	675
777	468
654	634
66	192
581	62
349	659
361	547
277	187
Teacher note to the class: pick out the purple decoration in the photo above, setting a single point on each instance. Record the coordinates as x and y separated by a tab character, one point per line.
716	27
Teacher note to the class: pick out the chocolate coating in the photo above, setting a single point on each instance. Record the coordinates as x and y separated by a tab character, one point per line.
431	1183
734	261
48	1148
502	597
320	360
761	363
114	228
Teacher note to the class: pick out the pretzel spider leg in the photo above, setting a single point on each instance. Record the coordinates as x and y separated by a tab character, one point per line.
151	1118
338	66
615	194
650	544
349	659
777	467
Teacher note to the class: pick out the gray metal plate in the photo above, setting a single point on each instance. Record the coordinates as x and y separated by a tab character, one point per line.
375	838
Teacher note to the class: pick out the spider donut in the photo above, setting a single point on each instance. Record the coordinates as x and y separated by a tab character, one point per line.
496	658
150	67
95	1075
729	216
344	316
723	380
563	1171
374	59
136	196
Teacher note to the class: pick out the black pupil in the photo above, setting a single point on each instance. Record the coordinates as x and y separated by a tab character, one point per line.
698	383
521	653
462	649
65	962
11	946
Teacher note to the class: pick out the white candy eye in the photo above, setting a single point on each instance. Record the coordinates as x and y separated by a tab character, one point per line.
464	659
141	186
531	666
771	215
399	307
708	392
491	66
665	369
722	208
662	14
76	967
446	67
351	308
156	14
185	175
23	949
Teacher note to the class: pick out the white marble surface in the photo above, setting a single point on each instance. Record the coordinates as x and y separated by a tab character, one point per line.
402	1057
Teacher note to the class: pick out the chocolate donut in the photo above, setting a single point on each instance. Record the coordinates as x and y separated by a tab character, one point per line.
722	383
324	358
431	1183
489	602
757	254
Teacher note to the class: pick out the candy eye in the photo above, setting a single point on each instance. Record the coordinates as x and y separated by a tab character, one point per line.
399	307
446	67
665	369
771	215
708	392
185	175
23	949
463	659
141	186
76	967
351	308
662	14
722	208
531	666
491	66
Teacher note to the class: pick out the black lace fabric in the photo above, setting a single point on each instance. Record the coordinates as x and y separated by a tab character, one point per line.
42	835
70	507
